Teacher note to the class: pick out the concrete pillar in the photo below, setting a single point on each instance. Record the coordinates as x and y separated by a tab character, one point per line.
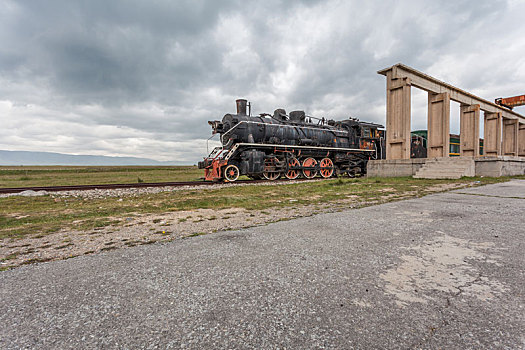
397	117
492	137
521	140
510	137
438	143
469	131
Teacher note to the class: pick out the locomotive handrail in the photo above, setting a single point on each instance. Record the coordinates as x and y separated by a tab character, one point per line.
230	130
217	151
208	141
231	151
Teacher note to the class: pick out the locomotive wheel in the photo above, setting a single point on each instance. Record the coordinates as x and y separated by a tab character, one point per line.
327	167
309	163
354	172
270	169
293	174
231	173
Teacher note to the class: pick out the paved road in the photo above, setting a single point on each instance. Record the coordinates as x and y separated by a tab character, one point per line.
443	272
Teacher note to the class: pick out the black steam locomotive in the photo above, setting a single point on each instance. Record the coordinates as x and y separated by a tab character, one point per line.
270	146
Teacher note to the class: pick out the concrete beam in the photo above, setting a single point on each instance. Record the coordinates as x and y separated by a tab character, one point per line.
521	140
492	137
438	143
510	137
397	118
469	131
430	84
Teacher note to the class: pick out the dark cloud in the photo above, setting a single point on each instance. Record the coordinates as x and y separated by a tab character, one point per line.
141	78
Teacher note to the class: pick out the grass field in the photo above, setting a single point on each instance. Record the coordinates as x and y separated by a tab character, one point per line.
38	216
22	176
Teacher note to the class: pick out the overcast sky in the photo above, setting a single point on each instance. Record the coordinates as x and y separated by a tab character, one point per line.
142	78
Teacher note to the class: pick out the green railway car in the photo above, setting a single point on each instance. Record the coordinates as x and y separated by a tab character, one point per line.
419	144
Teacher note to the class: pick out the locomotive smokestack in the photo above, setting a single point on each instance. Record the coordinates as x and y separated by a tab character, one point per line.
241	106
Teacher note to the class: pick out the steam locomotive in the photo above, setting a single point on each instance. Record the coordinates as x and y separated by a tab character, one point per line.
290	145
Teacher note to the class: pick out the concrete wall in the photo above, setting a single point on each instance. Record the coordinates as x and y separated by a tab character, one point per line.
521	140
438	142
500	166
492	142
398	118
469	130
394	167
484	166
510	137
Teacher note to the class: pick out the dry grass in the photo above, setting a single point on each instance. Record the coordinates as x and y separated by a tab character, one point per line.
40	216
45	228
21	176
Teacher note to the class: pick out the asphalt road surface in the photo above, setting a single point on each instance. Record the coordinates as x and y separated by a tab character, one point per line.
443	272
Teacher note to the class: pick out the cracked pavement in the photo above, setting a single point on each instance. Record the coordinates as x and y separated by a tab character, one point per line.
441	272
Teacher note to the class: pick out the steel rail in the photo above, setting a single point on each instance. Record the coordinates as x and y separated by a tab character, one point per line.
9	190
99	187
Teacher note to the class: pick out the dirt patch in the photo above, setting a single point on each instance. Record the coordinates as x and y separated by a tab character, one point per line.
143	229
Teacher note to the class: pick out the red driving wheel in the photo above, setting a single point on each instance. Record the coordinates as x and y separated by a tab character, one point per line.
293	169
327	167
309	163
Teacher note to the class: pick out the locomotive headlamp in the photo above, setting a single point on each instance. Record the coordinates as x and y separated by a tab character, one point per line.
216	126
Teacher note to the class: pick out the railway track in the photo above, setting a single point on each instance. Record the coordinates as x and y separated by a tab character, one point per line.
129	185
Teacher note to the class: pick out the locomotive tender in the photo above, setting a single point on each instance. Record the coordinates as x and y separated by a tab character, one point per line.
270	146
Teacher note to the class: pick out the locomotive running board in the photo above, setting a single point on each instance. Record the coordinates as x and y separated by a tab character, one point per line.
268	145
307	147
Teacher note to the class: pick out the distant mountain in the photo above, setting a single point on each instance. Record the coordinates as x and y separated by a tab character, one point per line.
48	158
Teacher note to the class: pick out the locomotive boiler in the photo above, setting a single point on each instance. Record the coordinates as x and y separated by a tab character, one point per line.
291	145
